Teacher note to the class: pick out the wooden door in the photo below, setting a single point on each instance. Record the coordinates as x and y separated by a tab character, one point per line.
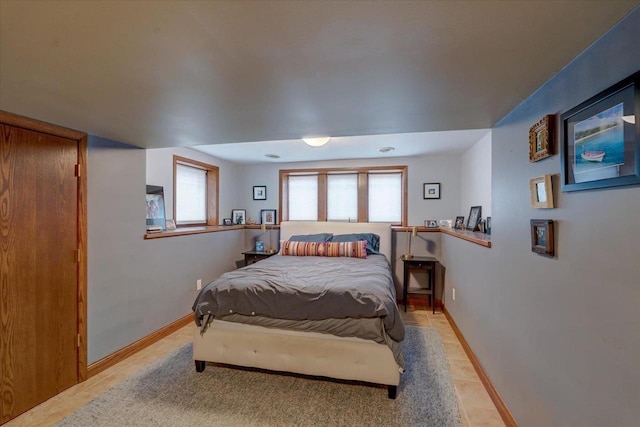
39	268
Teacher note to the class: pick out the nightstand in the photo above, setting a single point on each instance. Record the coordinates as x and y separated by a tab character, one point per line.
251	257
426	264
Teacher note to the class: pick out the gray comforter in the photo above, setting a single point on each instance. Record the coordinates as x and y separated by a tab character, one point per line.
306	288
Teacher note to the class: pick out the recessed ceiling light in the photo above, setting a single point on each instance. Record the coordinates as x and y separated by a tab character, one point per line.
316	142
272	156
386	149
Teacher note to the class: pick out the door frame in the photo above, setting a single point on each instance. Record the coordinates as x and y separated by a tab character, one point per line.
81	139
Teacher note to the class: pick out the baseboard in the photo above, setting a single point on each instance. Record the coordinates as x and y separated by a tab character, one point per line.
504	412
110	360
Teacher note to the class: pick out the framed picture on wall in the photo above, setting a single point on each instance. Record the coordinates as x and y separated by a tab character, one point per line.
431	190
259	192
541	192
540	139
601	139
542	237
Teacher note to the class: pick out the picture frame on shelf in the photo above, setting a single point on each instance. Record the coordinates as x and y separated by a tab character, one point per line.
542	235
268	216
227	221
431	190
459	223
430	223
601	139
540	139
541	192
239	216
475	214
488	231
155	207
259	192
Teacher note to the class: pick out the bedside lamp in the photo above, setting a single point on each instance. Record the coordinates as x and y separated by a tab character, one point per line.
413	232
263	228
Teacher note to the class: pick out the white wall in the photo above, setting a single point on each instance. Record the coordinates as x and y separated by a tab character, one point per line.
476	177
559	337
137	286
159	163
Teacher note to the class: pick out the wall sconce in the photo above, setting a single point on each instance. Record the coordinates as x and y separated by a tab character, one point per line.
410	233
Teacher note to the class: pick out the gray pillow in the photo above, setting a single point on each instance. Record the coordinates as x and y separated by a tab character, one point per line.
373	240
320	237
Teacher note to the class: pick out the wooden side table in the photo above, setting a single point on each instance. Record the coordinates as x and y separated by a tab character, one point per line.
427	264
251	257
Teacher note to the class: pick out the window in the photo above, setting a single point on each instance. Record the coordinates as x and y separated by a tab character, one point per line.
195	192
342	197
376	194
385	197
303	194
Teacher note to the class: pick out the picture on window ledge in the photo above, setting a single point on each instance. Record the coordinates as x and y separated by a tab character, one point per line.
155	207
475	214
459	223
431	223
239	216
268	216
227	221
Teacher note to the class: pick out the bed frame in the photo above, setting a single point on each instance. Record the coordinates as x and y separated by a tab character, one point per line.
307	353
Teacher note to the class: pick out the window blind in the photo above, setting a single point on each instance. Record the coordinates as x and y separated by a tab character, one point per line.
385	197
191	195
342	197
303	198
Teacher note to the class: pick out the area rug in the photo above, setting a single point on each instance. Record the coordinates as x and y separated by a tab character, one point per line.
171	393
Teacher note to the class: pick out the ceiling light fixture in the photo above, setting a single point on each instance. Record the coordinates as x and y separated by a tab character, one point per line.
386	149
317	142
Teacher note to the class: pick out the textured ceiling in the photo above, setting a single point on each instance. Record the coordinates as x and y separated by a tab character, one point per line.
172	73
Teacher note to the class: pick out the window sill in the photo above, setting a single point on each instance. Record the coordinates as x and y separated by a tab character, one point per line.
186	231
473	237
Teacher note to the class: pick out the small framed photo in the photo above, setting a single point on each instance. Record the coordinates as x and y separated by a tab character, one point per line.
227	221
259	192
268	216
488	230
431	190
475	213
431	223
239	216
540	139
542	237
459	222
541	192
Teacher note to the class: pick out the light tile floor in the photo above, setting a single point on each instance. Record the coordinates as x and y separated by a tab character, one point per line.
476	408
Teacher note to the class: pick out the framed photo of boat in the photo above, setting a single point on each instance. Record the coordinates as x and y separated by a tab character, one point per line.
542	237
541	190
601	139
540	139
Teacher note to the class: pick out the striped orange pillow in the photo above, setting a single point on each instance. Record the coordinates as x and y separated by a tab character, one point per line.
330	249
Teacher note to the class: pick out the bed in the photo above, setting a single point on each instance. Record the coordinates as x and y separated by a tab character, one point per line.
251	317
